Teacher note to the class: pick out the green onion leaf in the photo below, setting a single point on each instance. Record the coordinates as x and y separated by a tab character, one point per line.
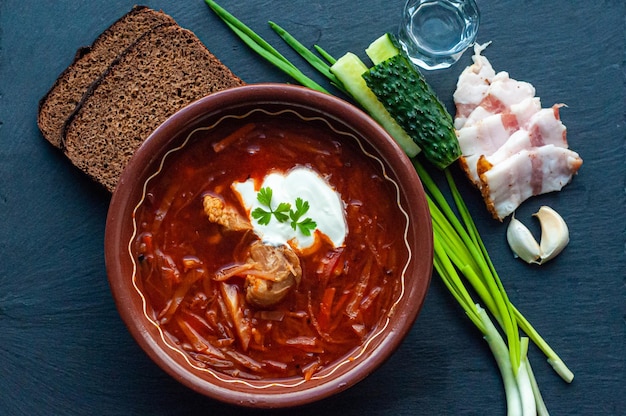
261	47
315	61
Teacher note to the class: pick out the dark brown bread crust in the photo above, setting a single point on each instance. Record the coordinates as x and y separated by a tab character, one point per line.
166	69
88	65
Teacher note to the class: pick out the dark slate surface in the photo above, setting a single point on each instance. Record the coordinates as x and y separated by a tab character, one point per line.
63	347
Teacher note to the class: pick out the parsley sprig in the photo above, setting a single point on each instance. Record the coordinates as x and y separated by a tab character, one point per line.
283	212
264	217
306	225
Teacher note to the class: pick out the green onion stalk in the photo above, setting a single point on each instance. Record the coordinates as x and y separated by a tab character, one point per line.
460	255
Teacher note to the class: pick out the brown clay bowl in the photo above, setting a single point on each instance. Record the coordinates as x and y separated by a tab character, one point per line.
305	105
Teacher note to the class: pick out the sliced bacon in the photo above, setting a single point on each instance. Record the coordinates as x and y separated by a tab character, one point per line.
512	148
472	85
503	92
546	128
485	138
493	105
543	129
525	110
527	173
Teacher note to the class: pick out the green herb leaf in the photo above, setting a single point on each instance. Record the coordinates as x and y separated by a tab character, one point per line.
281	212
265	197
301	208
263	217
307	226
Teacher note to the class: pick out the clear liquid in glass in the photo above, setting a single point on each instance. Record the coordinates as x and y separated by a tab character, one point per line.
435	33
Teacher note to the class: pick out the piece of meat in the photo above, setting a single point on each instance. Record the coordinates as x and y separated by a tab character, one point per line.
276	270
270	271
511	148
486	136
483	138
472	85
546	127
527	173
525	110
228	217
503	92
491	134
543	129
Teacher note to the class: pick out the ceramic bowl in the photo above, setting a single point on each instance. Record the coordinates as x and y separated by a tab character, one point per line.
306	106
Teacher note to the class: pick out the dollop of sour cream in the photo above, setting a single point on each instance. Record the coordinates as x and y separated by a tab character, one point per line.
325	207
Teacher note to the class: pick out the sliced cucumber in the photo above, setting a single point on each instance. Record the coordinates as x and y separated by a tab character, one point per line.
404	93
383	48
350	69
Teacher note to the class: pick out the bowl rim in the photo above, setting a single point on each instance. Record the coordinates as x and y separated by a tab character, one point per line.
263	94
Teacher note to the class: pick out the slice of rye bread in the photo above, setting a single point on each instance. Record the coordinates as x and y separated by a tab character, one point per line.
166	69
88	65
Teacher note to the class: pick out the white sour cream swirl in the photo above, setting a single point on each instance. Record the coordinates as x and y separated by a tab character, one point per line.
326	207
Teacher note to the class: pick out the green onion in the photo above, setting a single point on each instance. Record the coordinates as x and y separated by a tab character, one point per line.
541	406
314	60
261	47
329	58
465	252
499	351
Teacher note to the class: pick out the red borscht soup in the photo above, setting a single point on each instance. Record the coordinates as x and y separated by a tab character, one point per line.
238	305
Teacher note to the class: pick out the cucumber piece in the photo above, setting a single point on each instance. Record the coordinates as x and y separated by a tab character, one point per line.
383	48
349	69
415	107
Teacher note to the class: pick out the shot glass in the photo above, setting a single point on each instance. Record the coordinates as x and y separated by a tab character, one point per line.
435	33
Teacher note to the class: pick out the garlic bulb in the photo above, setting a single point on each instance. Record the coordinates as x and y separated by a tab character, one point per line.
554	237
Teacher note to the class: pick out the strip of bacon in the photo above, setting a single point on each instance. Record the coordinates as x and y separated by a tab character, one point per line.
490	134
544	128
527	173
472	85
503	92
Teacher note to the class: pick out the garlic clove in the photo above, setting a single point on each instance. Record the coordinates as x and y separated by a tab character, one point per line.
522	242
554	233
